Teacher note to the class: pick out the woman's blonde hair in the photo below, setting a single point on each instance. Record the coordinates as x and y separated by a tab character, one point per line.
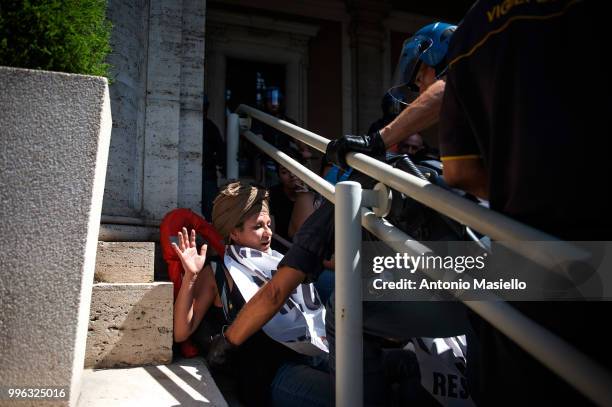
236	202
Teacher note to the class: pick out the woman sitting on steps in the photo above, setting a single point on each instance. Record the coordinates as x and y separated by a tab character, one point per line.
275	366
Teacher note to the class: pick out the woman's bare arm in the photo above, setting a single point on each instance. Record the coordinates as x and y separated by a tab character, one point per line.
197	290
302	209
193	301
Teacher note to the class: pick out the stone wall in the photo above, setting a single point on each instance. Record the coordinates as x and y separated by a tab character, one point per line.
191	119
129	42
156	154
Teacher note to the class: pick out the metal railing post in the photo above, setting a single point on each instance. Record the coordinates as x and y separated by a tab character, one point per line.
349	340
233	134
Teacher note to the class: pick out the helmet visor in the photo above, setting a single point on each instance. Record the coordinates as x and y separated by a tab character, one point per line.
403	86
397	106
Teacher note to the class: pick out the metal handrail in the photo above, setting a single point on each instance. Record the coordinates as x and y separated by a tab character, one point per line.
560	357
504	230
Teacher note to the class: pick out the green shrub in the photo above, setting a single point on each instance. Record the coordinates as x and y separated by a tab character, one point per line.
56	35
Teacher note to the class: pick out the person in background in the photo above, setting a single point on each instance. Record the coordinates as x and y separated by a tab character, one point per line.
411	145
213	158
274	106
422	69
290	202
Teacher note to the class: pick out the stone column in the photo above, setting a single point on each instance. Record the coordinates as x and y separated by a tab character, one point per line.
129	39
163	109
367	45
173	124
155	162
191	116
54	139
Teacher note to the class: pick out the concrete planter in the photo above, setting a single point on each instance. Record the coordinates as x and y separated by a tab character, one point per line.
54	137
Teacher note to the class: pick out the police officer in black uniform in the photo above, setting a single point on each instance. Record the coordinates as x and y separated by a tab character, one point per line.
522	124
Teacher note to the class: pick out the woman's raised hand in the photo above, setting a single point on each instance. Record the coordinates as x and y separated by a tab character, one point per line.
187	252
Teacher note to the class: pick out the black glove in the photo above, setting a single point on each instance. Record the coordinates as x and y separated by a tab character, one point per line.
219	352
371	145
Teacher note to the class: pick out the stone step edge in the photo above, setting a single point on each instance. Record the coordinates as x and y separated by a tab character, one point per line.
127	286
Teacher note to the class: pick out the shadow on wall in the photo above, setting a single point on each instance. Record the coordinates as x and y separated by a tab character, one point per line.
130	325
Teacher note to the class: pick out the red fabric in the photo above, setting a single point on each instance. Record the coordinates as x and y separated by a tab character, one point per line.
188	349
183	217
172	223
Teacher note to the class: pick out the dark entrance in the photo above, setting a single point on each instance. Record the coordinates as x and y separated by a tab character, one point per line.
246	83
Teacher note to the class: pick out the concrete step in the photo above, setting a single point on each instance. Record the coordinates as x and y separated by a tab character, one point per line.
125	262
130	325
186	382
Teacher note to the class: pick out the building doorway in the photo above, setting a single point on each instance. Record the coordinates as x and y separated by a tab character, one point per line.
246	83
